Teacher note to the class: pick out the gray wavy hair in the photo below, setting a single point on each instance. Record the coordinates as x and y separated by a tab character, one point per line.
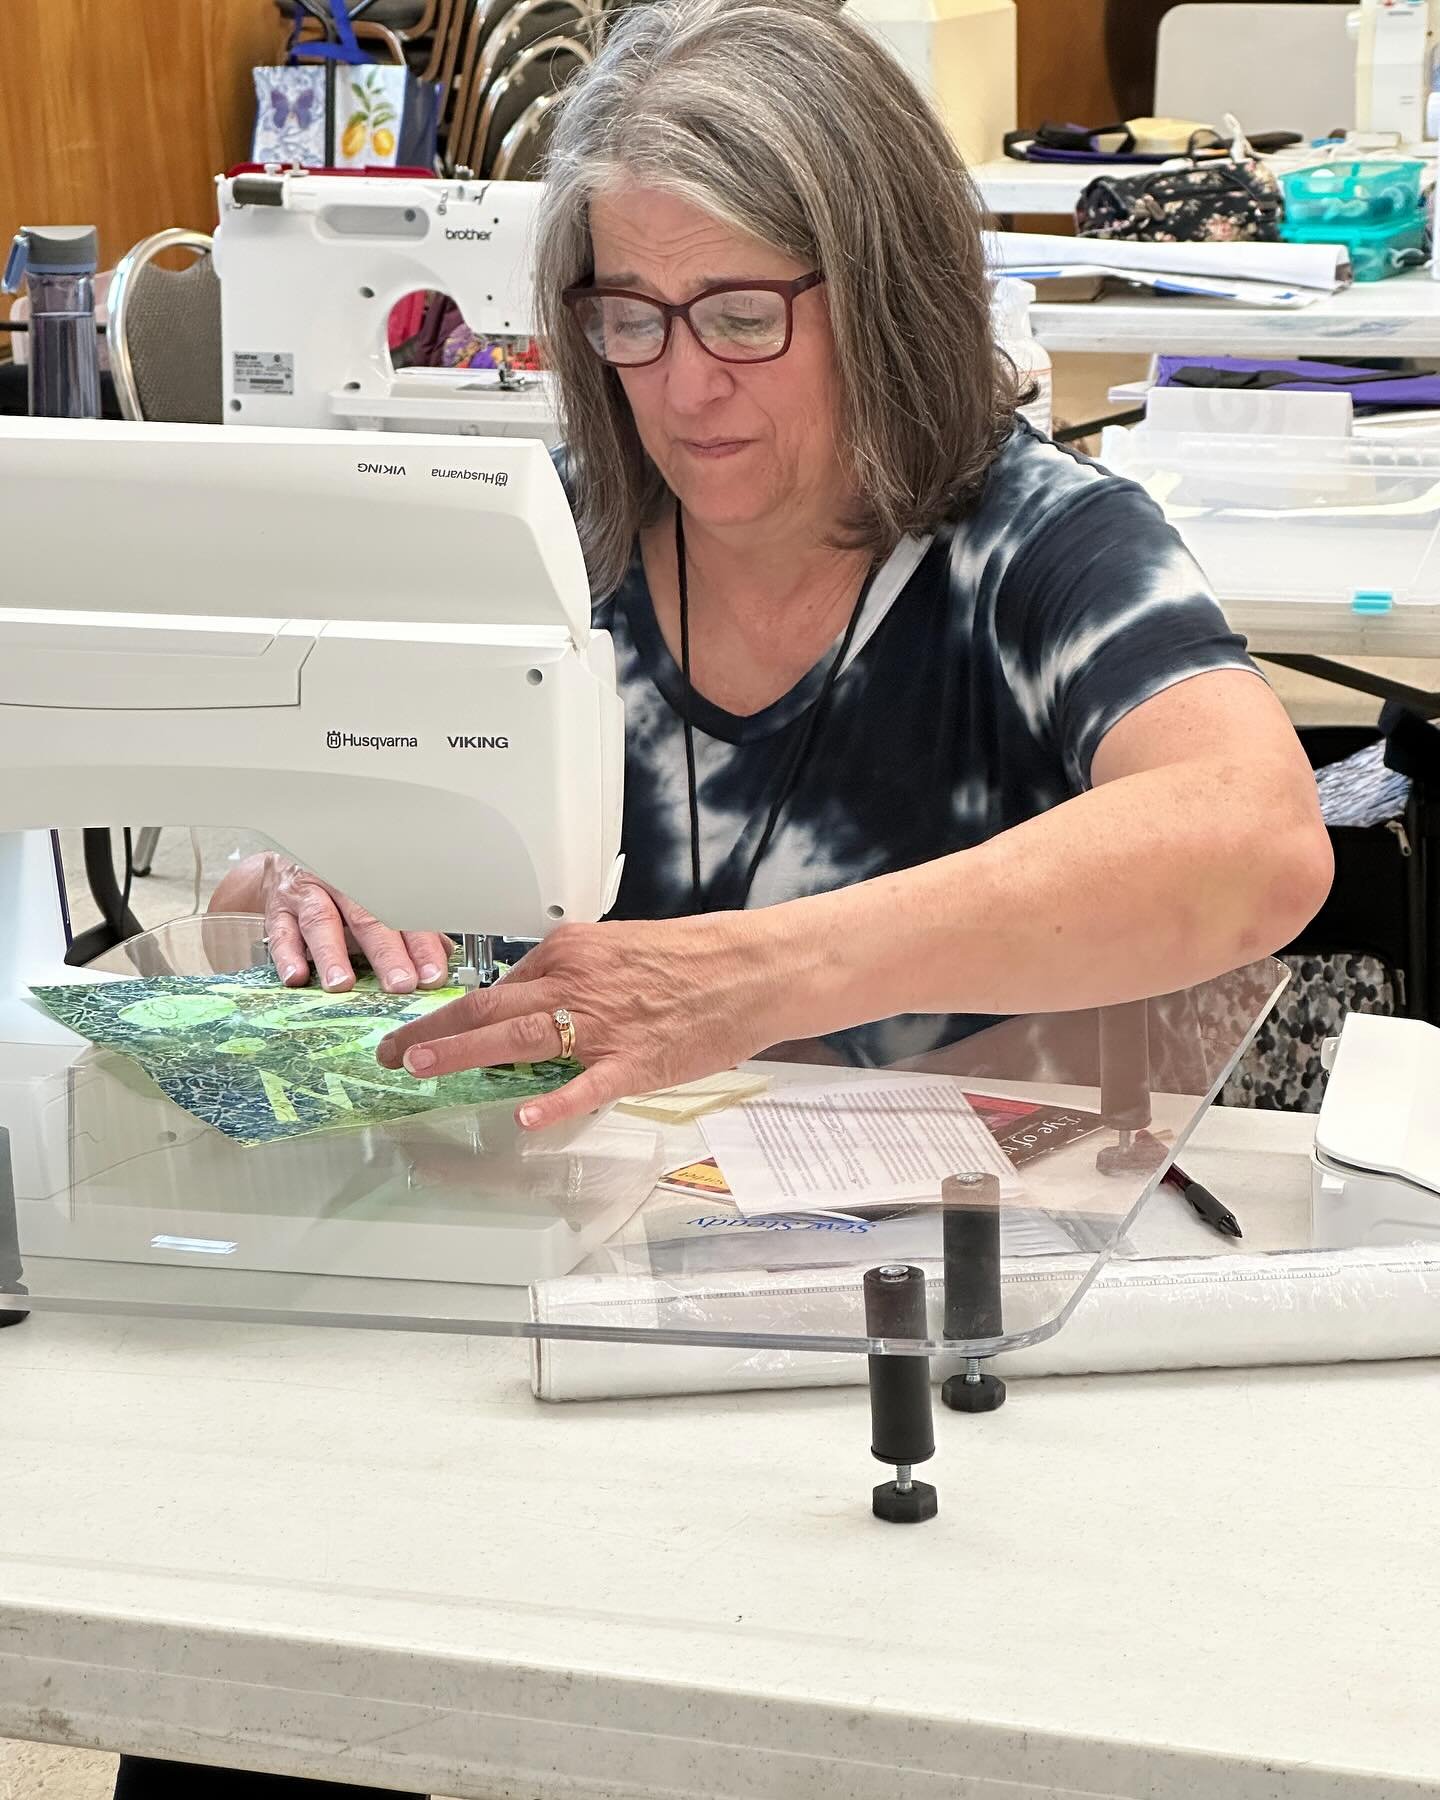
790	122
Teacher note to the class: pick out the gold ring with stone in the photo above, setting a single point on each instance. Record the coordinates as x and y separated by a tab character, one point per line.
565	1025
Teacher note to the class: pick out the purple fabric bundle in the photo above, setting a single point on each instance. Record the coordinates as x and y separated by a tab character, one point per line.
1371	388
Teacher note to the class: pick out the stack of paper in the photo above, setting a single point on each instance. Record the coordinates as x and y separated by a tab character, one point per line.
1280	275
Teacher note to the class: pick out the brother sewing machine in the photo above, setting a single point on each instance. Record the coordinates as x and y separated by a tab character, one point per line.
311	267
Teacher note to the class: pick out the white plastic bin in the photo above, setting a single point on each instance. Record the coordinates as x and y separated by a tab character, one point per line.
1303	519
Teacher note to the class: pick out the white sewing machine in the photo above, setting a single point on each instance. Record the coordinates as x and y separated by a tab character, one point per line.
311	267
1394	45
349	643
376	651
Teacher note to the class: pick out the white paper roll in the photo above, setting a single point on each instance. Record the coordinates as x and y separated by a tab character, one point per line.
1198	1312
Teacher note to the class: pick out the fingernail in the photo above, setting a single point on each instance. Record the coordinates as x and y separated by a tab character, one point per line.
420	1062
529	1116
291	972
431	972
336	975
398	982
385	1054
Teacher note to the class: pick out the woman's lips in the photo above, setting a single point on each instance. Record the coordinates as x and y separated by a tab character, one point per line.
709	449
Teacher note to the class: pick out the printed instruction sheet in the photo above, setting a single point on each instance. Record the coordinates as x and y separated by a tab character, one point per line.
828	1148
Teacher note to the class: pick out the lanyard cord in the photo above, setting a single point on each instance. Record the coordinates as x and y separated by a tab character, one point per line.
801	751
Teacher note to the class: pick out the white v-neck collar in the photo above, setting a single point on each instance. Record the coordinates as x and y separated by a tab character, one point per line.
887	587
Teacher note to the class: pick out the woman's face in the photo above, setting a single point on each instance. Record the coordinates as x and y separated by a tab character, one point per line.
739	444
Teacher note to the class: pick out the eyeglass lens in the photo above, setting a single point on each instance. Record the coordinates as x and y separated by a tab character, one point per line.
741	325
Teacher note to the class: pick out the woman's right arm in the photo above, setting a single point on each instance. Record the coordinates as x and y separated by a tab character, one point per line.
308	922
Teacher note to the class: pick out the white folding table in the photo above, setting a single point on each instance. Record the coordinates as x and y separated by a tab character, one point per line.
373	1557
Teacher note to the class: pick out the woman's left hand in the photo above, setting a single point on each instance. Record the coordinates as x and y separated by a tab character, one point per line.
652	1003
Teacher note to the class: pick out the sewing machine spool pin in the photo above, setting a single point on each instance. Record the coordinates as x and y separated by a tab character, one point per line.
902	1428
971	1227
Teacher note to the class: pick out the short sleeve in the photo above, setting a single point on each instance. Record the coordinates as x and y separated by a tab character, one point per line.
1101	608
561	458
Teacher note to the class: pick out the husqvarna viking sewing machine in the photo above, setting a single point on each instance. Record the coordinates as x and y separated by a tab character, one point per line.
288	631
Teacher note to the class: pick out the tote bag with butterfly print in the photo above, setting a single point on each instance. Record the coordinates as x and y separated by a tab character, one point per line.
344	111
290	116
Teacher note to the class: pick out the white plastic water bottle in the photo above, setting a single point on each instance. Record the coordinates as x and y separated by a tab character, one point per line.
1010	305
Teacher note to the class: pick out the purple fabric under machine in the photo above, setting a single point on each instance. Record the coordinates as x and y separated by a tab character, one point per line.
1374	389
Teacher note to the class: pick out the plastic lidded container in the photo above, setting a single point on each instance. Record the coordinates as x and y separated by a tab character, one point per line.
57	265
1376	250
1010	304
1303	521
1351	193
1375	209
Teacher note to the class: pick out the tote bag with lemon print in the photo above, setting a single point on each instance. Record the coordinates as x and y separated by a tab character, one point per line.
344	112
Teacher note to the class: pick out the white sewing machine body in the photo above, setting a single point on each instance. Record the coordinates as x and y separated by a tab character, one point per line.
311	267
377	653
1394	43
1375	1172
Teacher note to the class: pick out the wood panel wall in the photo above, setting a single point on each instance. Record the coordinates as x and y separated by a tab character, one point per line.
120	113
1061	56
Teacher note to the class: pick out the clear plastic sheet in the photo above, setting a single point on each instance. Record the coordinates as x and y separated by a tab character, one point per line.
125	1203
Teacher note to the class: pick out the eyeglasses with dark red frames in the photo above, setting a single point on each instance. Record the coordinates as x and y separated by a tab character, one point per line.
589	304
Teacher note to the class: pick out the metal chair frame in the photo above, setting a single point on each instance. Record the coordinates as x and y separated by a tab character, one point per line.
505	37
516	137
542	48
122	282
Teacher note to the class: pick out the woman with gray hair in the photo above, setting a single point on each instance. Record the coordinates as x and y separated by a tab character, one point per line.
927	719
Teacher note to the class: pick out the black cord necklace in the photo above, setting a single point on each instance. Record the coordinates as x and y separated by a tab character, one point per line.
801	750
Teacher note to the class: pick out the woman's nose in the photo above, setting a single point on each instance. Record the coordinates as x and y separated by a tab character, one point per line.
693	378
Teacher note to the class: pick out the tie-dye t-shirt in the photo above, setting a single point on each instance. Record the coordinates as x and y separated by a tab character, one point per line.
989	662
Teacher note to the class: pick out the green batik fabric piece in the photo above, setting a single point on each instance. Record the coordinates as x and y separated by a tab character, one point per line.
260	1061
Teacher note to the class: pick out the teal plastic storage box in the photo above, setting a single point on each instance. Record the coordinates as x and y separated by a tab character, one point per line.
1375	209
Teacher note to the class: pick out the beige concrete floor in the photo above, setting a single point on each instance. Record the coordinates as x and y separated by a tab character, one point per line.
39	1772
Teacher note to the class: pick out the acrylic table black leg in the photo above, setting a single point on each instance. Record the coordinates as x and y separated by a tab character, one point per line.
902	1426
972	1285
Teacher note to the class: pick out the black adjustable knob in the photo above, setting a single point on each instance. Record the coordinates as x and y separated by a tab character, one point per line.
902	1426
972	1284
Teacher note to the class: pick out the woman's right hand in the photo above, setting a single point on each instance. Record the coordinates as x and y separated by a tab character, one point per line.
307	921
